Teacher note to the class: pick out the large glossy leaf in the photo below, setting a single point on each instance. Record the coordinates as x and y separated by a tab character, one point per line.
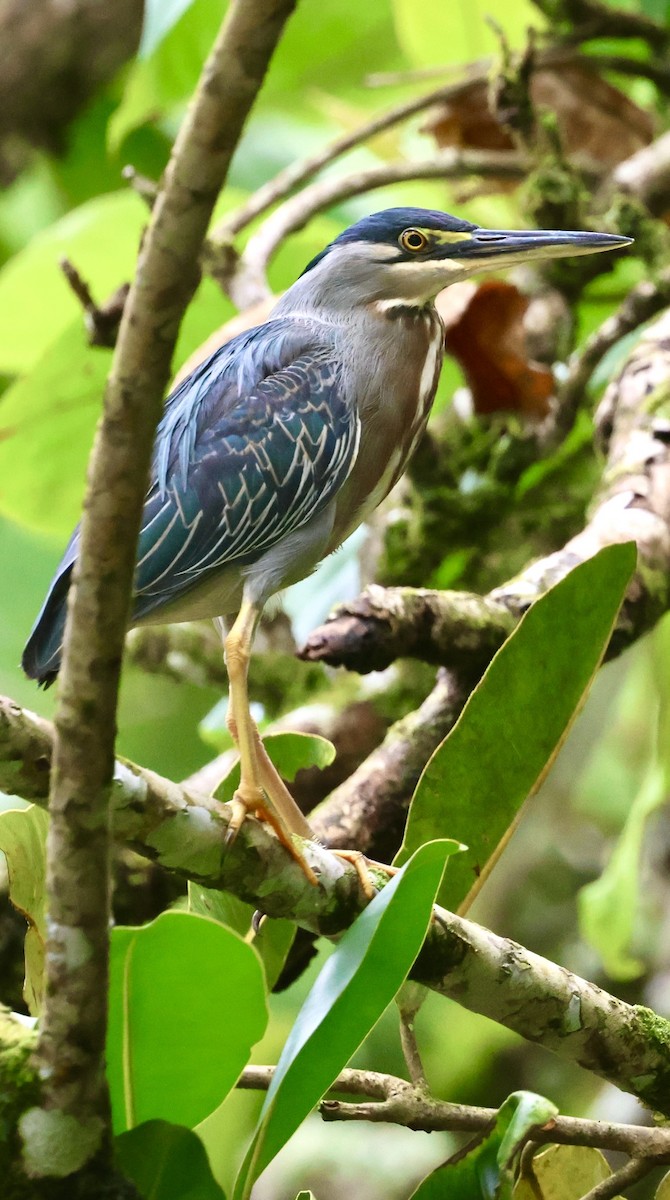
488	1170
166	1162
355	986
159	18
101	238
23	833
187	1003
272	941
515	721
47	421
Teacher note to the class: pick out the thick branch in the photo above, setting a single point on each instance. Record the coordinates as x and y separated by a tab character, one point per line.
640	305
629	1046
71	1047
646	175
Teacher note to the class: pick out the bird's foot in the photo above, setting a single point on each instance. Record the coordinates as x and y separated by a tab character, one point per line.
362	866
249	800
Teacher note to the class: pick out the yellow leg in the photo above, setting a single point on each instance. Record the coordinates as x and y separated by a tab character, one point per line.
261	790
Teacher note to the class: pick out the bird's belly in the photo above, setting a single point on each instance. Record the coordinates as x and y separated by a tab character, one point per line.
217	596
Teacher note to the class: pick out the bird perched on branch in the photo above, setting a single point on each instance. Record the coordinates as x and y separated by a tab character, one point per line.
286	438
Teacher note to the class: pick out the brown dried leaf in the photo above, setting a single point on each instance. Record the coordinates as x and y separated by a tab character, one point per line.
488	340
597	122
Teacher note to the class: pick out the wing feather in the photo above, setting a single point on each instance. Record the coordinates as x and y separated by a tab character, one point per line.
254	443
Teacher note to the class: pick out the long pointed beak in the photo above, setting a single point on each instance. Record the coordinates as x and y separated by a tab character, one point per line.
512	246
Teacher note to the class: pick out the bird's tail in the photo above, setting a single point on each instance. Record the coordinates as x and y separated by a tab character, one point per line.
42	655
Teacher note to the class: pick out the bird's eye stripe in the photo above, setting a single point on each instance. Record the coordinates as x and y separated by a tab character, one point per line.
413	239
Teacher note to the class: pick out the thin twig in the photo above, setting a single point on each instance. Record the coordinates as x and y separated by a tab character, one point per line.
147	189
75	1103
409	1000
292	176
401	1103
592	18
654	70
102	323
640	305
631	1172
248	284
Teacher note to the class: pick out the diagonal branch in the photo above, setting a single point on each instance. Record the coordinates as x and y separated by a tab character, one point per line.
246	283
72	1038
491	975
297	173
633	503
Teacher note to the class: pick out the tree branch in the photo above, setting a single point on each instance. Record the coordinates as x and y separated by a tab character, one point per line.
297	173
246	283
71	1127
632	503
185	832
646	175
401	1103
631	1172
641	304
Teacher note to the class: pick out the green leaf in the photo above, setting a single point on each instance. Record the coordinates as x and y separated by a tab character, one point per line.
290	753
47	421
608	907
101	238
357	983
487	1171
168	68
23	834
515	721
159	17
166	1162
458	32
220	906
562	1173
48	418
187	1003
663	1189
273	940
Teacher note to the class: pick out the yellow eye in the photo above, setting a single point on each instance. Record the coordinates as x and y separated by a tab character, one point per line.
413	239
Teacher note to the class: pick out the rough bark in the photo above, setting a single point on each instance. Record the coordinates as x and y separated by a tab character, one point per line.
71	1126
628	1045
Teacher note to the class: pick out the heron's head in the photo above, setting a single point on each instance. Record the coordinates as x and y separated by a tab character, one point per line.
408	255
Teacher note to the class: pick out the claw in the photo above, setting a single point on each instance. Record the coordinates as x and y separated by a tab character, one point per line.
362	865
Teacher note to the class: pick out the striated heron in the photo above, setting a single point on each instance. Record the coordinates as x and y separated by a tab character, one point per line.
286	438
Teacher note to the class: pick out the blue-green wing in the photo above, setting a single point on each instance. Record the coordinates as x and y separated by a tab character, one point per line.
244	477
253	443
